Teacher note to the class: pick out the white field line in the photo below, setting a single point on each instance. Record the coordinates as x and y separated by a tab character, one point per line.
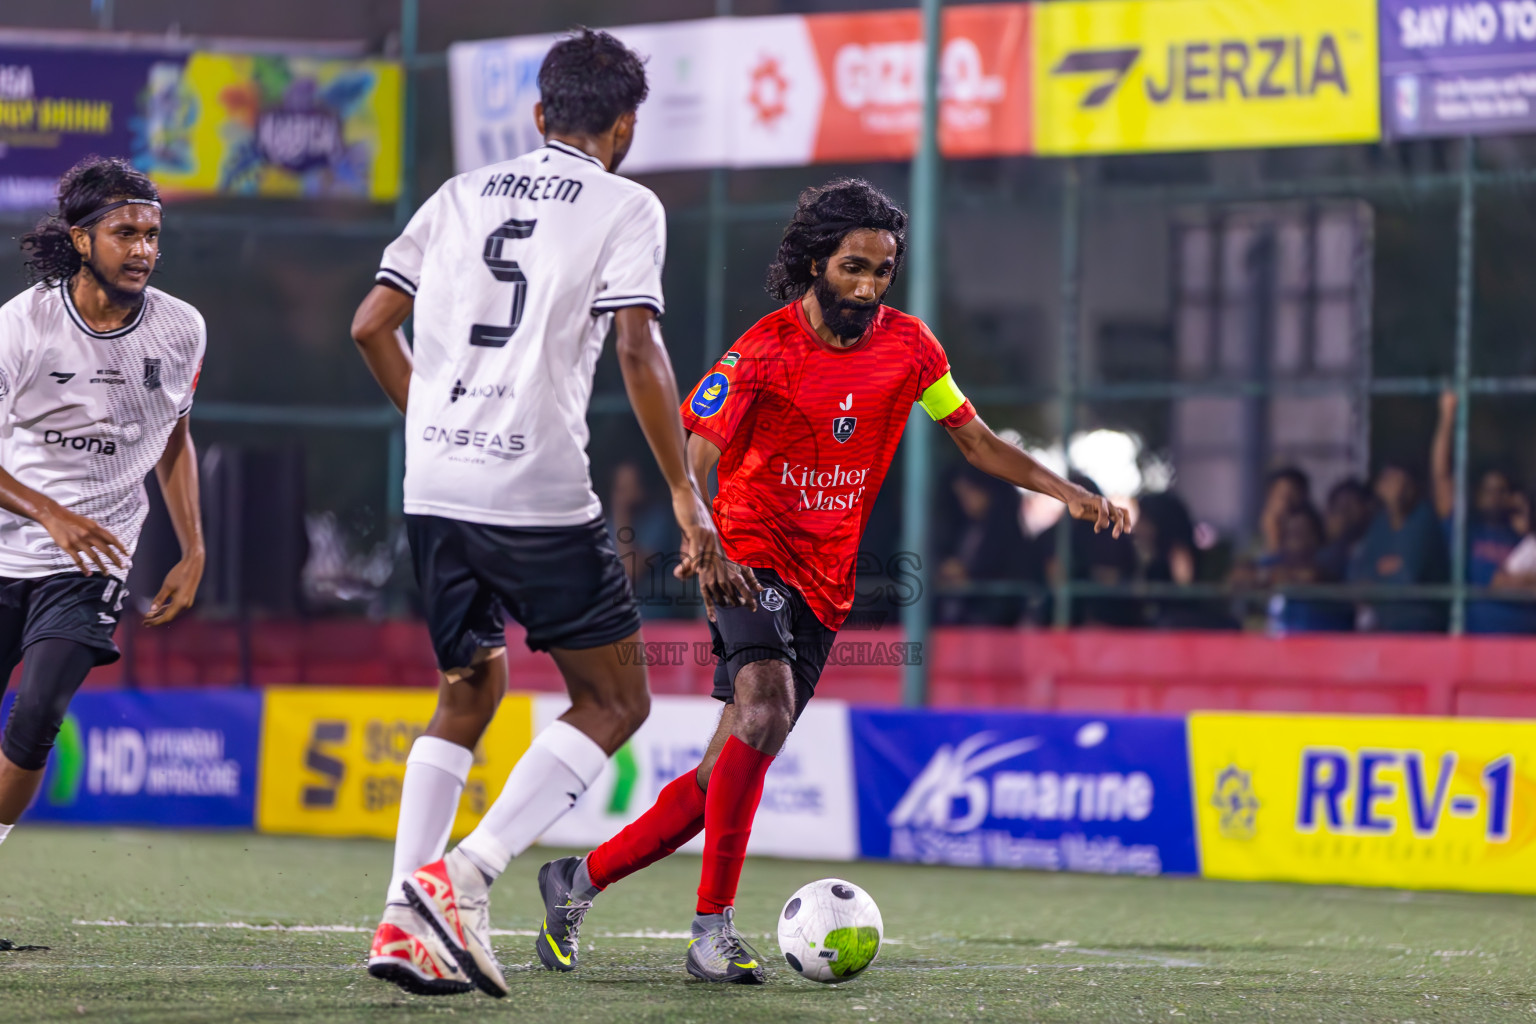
349	929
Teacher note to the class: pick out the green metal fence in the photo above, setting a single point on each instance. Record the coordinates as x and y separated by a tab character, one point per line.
708	210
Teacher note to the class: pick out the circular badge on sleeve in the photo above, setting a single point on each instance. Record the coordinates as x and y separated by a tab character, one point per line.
710	396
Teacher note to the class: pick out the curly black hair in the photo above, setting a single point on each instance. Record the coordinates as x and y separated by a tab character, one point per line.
588	81
823	218
84	189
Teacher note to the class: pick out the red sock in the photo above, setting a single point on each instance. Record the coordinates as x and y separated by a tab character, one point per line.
735	788
675	817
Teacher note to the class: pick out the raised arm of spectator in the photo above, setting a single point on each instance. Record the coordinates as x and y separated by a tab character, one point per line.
1442	470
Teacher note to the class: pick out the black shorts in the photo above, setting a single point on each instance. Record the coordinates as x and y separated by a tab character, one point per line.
782	629
69	606
564	584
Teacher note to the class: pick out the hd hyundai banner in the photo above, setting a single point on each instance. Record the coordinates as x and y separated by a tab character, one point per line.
1107	795
1458	68
163	757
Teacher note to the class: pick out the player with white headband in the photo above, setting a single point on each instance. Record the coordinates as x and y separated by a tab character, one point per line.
97	371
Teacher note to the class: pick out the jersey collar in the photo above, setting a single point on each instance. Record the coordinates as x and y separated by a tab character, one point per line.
573	151
74	314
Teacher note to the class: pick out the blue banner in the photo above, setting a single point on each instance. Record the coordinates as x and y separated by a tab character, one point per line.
1464	68
161	757
1049	792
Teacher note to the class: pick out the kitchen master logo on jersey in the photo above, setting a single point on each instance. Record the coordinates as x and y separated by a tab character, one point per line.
710	396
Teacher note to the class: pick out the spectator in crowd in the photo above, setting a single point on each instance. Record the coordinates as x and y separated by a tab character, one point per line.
1300	562
1165	549
1404	544
1519	569
1351	508
1104	559
1491	533
646	538
1286	490
984	542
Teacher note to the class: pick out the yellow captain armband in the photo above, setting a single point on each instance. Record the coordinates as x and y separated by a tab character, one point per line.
942	398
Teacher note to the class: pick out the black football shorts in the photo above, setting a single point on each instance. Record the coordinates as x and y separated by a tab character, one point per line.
564	584
783	628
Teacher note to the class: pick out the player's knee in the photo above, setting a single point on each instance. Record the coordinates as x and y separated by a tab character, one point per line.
628	711
764	723
27	744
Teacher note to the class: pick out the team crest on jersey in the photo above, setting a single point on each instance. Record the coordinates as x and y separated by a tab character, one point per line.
710	396
771	599
151	374
842	427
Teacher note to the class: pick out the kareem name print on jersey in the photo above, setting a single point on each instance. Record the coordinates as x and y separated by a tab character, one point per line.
711	395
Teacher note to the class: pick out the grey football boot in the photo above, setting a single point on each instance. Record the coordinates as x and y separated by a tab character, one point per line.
557	941
717	952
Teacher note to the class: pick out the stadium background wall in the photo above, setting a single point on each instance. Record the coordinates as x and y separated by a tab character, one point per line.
1419	803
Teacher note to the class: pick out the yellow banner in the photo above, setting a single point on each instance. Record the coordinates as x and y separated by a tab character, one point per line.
275	126
332	760
1138	75
1421	803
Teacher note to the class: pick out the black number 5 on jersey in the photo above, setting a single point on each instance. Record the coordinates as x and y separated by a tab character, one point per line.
503	269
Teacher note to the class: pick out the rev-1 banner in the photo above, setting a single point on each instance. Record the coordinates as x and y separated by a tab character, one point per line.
1050	792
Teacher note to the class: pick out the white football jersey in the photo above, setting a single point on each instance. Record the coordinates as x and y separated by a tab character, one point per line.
516	269
85	414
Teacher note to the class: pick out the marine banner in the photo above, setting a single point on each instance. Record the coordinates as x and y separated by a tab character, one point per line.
332	759
174	758
1120	76
1441	803
1107	795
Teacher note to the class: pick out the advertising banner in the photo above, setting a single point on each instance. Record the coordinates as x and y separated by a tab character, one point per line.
1048	792
1118	76
164	757
51	115
332	760
808	804
1421	803
774	91
1458	68
272	125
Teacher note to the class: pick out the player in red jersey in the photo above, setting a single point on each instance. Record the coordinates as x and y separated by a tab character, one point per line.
802	417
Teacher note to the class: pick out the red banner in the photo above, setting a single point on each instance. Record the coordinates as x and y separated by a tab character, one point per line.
872	67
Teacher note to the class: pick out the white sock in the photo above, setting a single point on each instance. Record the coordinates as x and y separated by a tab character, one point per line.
5	830
429	800
560	764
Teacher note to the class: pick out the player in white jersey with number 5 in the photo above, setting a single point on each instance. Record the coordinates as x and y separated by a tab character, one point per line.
97	371
515	273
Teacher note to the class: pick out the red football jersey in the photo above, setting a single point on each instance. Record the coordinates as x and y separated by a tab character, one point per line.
806	433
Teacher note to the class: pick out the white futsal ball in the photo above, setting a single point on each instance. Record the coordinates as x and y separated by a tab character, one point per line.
830	930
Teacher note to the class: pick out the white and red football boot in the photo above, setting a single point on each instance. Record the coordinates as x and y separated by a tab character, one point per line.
451	896
407	951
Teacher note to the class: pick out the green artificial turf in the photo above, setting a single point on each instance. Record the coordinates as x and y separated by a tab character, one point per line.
961	944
